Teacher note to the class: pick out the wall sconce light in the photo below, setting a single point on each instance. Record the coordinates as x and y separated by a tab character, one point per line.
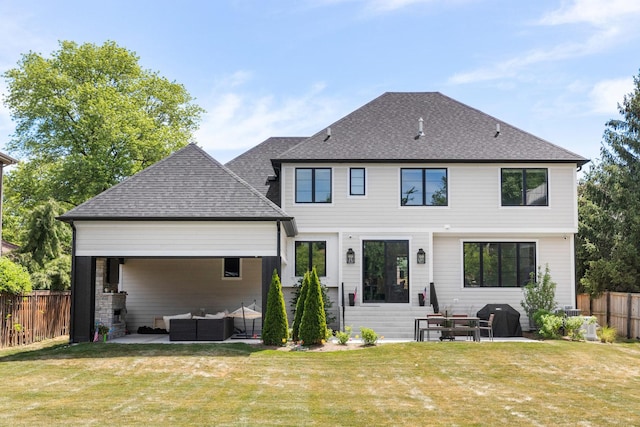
422	256
351	256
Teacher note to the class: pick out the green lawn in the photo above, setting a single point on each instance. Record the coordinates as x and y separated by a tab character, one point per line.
422	384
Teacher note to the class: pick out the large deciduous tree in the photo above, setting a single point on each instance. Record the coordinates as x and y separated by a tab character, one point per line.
89	116
609	207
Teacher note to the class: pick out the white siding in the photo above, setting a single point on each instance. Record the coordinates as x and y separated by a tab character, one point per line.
159	287
555	251
474	201
175	238
289	270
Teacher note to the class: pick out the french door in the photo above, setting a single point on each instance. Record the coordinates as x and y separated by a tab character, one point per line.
385	271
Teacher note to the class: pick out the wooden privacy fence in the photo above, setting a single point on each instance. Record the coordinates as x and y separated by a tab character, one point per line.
620	310
33	317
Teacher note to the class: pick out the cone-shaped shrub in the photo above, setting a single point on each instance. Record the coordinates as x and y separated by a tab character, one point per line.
276	325
300	306
313	326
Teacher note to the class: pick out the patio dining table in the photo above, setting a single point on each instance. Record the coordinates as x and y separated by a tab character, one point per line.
446	325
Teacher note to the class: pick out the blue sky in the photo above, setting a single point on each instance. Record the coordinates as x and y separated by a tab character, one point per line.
554	68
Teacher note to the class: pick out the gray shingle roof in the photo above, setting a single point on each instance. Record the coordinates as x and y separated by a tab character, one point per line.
385	129
254	166
189	184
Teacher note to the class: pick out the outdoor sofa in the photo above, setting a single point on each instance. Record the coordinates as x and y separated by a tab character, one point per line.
201	329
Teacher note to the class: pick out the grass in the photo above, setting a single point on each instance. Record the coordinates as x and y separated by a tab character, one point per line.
537	384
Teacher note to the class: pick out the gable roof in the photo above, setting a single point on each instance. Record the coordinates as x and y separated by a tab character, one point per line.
187	185
254	166
385	130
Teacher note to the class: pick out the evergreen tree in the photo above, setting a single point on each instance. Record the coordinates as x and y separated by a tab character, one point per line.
313	326
609	207
276	326
300	306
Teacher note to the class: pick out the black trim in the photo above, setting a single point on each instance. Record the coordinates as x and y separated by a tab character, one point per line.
279	162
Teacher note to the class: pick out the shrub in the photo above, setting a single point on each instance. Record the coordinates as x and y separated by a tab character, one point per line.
14	279
550	325
573	328
301	297
369	337
326	300
539	294
344	336
607	334
276	327
313	326
537	317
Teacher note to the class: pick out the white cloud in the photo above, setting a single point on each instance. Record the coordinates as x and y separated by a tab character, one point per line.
613	22
594	12
511	68
237	119
607	94
390	5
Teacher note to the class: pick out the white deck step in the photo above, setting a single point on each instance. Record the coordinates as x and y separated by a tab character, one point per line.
387	320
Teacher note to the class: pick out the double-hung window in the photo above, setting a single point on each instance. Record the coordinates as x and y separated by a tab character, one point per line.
357	182
524	187
313	185
498	264
423	187
311	254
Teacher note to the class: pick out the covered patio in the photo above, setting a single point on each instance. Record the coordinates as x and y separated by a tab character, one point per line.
185	235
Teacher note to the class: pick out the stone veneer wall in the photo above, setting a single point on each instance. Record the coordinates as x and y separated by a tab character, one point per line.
108	303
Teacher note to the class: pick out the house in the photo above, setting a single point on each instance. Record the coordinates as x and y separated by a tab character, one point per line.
4	161
409	190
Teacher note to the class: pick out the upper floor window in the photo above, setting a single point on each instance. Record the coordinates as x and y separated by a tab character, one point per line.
524	187
356	182
313	185
498	264
309	255
423	187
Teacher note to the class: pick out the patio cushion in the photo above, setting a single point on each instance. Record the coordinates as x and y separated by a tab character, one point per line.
167	319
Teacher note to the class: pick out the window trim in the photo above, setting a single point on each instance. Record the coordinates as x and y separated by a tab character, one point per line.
364	182
310	260
499	274
313	185
523	197
424	193
224	276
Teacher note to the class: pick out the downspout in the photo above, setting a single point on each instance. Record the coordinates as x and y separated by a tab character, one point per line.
1	197
73	280
279	241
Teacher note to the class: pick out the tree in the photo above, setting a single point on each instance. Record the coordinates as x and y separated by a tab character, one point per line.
14	279
299	307
45	249
88	117
276	326
609	207
313	326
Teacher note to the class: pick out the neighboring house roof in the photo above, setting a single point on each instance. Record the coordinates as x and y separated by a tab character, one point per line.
187	185
254	166
386	130
8	247
7	160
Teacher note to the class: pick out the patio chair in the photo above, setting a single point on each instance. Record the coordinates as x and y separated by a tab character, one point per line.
432	324
487	325
461	324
